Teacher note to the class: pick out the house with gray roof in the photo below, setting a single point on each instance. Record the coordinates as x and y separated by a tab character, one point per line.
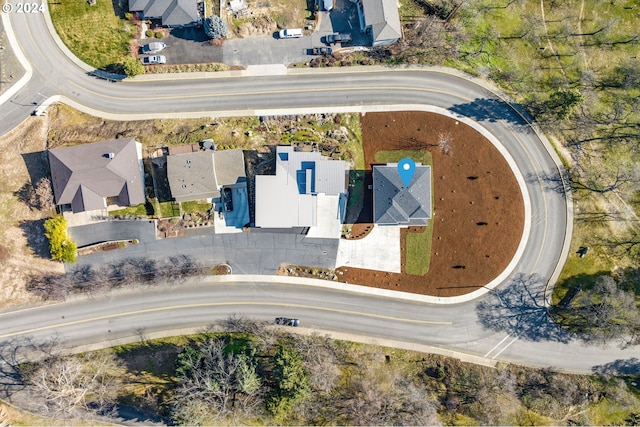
201	175
93	176
381	20
172	13
307	190
395	204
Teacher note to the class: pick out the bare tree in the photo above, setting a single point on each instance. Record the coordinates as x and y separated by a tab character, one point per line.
604	313
77	385
43	195
319	356
216	386
445	142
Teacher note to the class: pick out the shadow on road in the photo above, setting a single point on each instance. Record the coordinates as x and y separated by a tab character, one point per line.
491	110
551	182
519	309
619	367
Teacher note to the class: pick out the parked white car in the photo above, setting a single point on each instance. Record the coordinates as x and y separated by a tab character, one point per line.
155	59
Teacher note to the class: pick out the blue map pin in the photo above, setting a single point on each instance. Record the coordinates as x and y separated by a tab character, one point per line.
406	170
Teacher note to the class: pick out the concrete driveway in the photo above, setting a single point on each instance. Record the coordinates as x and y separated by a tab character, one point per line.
84	235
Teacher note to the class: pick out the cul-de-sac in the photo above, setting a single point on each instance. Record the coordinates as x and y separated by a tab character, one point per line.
311	212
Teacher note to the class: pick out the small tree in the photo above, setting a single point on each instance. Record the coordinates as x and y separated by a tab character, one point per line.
43	194
133	67
61	246
215	27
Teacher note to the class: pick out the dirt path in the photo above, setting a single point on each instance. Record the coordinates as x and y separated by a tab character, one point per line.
546	34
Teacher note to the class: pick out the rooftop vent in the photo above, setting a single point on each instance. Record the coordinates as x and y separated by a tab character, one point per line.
110	155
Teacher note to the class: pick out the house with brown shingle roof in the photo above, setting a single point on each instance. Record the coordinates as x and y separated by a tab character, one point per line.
93	176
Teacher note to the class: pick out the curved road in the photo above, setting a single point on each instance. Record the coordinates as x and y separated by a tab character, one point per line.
467	327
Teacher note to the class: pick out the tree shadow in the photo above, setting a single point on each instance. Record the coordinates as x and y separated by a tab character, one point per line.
551	182
190	33
493	110
24	194
14	353
36	240
37	164
519	309
618	367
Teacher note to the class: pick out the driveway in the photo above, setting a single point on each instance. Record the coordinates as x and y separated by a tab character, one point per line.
253	252
189	46
84	235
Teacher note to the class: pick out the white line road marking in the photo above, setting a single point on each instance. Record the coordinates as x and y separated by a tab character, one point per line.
497	345
505	347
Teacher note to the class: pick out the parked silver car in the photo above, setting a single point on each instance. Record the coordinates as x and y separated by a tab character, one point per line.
153	47
155	59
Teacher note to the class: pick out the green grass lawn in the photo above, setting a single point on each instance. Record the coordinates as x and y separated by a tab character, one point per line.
195	206
169	209
418	245
419	251
95	34
139	210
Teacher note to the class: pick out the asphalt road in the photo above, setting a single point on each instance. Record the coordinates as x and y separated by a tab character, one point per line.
455	330
527	339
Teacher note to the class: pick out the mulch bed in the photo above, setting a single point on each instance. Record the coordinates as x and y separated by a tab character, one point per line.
478	207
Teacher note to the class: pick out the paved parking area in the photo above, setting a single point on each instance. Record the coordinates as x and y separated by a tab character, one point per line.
188	46
144	231
253	252
191	46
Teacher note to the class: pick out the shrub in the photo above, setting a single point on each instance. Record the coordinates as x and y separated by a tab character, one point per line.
159	34
61	246
215	27
132	67
148	33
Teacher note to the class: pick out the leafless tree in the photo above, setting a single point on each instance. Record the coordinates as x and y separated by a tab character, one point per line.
320	357
445	142
43	195
217	386
77	385
383	397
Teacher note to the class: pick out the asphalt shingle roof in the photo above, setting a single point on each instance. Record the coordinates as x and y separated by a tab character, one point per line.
85	175
201	174
395	204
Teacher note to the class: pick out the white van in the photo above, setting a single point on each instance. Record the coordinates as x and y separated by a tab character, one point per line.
290	33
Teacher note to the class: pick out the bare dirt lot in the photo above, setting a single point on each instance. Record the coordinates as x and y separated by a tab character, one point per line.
23	247
478	207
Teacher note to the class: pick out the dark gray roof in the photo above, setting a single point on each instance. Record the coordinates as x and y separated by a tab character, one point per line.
383	18
180	12
200	175
84	175
172	12
393	204
138	5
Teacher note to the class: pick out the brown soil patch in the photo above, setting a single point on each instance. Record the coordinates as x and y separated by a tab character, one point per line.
23	247
478	207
